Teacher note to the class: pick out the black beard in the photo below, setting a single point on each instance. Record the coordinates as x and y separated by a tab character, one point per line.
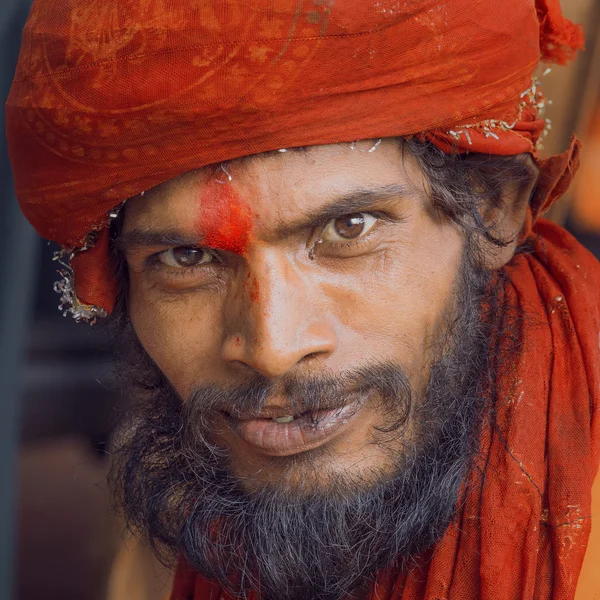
175	487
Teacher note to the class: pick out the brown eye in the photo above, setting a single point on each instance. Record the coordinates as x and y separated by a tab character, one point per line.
185	257
348	227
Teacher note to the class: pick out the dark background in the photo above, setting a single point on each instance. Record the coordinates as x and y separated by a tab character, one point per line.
58	538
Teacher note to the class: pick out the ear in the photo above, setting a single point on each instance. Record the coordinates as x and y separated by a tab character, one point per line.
505	216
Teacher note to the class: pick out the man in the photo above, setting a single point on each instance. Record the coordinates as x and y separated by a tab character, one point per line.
363	369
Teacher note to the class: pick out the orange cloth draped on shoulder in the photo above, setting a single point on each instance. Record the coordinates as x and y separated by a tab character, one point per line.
113	98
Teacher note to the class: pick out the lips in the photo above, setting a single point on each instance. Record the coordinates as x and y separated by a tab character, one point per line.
305	432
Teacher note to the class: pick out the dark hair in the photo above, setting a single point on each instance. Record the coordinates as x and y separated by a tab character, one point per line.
463	187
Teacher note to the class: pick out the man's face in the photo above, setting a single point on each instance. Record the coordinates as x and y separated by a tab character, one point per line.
295	266
310	368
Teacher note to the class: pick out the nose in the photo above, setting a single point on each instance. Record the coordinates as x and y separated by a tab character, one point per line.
278	320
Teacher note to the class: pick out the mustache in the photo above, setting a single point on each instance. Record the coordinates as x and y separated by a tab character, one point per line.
385	383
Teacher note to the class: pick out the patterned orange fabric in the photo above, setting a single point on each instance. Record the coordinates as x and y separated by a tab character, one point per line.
523	526
112	98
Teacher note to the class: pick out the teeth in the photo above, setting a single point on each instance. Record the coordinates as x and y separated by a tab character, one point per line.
286	419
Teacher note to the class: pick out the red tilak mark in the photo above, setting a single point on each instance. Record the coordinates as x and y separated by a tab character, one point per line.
252	287
254	290
225	219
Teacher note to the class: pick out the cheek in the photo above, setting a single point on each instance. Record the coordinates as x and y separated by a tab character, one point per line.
179	334
393	307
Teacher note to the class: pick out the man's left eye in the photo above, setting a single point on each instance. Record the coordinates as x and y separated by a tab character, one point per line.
348	227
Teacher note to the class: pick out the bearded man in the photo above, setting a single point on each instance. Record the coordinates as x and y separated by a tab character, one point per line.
363	366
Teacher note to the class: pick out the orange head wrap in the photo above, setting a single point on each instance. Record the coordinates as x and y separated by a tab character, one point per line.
113	98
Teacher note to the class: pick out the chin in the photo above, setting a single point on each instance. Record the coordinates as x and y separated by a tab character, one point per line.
316	471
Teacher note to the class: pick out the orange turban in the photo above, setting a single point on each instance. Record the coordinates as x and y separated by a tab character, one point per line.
113	98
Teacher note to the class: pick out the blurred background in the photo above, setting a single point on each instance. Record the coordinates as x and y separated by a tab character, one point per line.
58	536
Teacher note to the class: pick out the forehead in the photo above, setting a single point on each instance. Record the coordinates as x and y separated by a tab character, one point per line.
279	186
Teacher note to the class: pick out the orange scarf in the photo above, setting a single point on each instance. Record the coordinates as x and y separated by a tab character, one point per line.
524	522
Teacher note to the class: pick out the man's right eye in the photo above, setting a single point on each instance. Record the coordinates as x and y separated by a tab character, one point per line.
186	257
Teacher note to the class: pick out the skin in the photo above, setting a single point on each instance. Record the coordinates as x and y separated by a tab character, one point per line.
267	308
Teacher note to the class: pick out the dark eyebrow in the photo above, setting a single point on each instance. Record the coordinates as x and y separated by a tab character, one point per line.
359	200
139	238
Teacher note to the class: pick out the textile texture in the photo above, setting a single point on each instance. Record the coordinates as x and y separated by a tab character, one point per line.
113	98
524	521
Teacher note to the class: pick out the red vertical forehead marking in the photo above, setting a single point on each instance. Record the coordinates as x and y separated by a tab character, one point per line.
225	218
254	290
